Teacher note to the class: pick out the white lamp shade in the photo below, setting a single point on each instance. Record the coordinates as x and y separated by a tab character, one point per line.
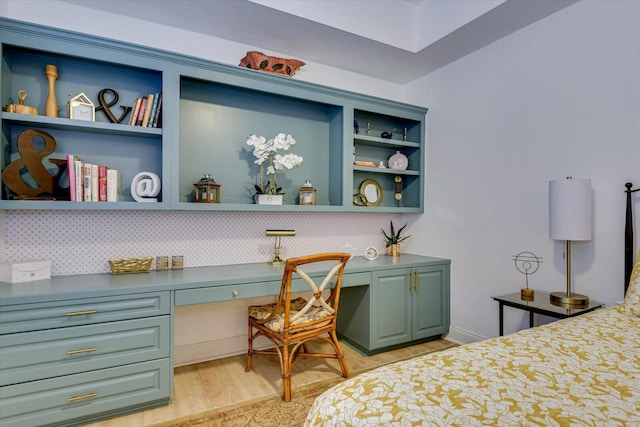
570	209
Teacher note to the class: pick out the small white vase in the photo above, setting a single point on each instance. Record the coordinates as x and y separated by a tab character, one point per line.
269	199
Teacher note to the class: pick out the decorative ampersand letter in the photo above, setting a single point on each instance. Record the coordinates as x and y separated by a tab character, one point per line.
31	160
145	186
104	105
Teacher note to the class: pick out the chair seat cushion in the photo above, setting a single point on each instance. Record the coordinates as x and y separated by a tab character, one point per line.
261	312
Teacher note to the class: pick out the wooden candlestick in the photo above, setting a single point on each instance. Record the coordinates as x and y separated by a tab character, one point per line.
51	106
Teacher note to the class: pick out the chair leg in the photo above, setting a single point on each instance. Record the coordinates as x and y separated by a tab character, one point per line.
249	348
286	373
338	350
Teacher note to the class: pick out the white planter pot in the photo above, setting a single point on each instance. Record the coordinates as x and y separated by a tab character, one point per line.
269	199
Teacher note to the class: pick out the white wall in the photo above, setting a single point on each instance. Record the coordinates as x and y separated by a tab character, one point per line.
558	98
118	27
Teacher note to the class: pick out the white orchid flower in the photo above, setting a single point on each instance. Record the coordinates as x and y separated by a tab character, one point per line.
264	150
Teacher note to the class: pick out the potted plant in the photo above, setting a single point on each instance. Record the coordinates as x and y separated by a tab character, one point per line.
264	150
393	239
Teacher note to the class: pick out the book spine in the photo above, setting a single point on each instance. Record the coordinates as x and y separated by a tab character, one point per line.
113	185
94	183
143	107
156	119
135	111
147	111
102	183
86	182
71	172
78	170
152	115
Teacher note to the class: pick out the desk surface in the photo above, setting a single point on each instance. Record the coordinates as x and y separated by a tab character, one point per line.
96	285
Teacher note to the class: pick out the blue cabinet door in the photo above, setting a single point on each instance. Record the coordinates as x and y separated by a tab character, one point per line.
430	306
391	312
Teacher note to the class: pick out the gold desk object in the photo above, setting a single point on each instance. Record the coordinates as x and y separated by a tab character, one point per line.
130	265
276	260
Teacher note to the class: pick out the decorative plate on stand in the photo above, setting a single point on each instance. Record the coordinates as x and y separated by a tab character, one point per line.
398	161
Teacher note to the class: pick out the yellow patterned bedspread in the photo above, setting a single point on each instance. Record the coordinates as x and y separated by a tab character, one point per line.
583	371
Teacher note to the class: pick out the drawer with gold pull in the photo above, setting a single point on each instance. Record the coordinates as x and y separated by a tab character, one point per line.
57	314
62	400
30	356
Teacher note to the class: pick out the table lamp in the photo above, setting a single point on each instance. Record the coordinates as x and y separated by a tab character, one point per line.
276	260
569	220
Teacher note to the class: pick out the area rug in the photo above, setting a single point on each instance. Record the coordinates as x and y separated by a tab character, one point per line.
269	411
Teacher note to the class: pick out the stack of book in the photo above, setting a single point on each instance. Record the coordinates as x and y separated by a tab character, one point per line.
147	111
92	183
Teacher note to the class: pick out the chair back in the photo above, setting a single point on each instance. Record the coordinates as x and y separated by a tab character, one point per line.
318	310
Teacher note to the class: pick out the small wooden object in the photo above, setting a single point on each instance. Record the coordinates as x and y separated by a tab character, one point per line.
21	108
206	190
526	294
31	161
60	193
51	106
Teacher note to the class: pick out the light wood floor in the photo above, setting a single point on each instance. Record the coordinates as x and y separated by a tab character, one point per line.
223	382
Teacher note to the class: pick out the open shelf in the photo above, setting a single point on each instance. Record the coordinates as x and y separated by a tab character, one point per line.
227	115
129	149
404	135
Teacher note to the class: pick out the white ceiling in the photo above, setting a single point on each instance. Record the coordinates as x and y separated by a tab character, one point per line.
393	40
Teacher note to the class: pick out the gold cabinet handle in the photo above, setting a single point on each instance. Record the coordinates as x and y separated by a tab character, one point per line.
411	282
84	350
81	313
414	283
236	293
86	396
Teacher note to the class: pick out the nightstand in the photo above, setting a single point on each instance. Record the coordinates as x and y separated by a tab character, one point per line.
541	305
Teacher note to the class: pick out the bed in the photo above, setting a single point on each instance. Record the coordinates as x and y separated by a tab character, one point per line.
580	371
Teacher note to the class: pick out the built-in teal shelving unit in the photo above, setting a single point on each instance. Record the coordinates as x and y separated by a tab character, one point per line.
208	111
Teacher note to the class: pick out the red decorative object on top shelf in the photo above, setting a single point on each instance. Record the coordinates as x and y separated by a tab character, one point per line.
271	64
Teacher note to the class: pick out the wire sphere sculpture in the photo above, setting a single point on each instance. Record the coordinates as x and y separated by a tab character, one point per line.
527	263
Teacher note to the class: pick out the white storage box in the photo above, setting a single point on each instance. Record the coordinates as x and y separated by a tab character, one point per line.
25	271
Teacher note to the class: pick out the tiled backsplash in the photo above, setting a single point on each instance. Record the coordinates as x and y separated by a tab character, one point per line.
79	242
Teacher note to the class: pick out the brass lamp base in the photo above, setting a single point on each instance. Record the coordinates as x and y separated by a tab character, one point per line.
276	260
562	299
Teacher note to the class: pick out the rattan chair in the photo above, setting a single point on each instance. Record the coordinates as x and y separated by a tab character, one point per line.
290	324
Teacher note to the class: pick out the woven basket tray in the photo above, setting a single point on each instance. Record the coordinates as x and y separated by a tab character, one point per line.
130	265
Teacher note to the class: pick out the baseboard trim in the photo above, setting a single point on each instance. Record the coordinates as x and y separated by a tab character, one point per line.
209	350
461	336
